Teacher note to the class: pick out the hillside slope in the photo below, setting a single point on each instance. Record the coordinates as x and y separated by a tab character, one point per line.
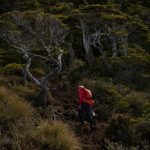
48	48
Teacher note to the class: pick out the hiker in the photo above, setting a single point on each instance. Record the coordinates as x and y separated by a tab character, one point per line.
85	105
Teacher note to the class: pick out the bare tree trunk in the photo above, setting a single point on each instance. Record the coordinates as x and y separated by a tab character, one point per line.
42	99
114	47
24	76
71	54
89	53
43	95
124	50
87	43
71	51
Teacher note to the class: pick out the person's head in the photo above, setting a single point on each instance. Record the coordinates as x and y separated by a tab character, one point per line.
80	87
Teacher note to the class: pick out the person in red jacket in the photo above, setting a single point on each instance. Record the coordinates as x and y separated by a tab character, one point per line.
85	105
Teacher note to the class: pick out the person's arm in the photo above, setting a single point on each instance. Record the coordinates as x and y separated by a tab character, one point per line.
90	102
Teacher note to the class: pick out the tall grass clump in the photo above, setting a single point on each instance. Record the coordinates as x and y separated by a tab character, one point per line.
55	136
13	69
118	146
13	108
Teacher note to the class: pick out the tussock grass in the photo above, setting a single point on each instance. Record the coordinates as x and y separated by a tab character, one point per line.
49	136
13	107
54	136
10	80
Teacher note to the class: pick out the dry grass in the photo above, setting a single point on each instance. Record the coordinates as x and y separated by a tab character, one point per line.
27	131
54	136
13	107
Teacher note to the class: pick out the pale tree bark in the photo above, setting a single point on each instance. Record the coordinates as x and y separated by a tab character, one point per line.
97	43
124	47
87	43
70	50
117	40
43	83
114	47
49	32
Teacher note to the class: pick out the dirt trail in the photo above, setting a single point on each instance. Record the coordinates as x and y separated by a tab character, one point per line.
65	102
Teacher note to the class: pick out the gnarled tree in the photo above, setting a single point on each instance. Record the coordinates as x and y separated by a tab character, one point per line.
36	35
99	24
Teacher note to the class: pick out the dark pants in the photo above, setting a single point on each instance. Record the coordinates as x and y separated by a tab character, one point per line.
86	110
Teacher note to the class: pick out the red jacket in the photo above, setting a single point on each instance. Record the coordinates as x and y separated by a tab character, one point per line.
85	96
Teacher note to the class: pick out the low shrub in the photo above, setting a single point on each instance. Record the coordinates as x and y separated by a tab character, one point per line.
103	112
119	129
77	63
136	49
117	146
137	103
123	89
106	93
78	70
37	72
143	130
128	70
13	69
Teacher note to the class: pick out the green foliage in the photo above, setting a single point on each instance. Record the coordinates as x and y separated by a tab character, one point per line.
2	52
128	70
117	146
137	23
103	111
138	30
137	103
119	129
123	89
11	5
61	8
99	8
49	2
38	72
13	69
136	49
143	130
112	17
76	70
77	63
105	93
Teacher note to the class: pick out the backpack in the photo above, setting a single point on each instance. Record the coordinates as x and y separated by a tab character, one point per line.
88	94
